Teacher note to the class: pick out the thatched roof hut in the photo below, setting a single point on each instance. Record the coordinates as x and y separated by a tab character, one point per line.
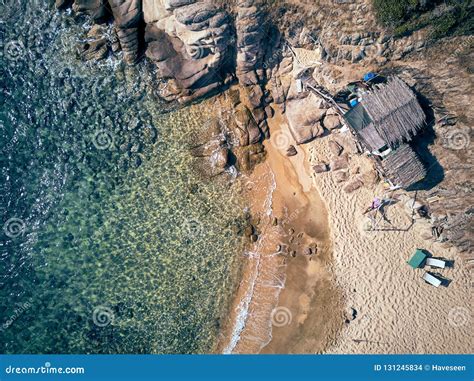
387	116
403	167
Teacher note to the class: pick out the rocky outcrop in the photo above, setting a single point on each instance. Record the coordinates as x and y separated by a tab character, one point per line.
97	9
128	19
189	43
128	16
252	34
304	118
251	31
96	48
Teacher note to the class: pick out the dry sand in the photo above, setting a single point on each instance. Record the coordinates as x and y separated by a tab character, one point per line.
298	305
397	312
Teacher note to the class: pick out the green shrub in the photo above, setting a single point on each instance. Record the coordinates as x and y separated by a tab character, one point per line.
392	13
407	16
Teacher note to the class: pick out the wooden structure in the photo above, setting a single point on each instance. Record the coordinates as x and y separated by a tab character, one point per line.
403	167
384	121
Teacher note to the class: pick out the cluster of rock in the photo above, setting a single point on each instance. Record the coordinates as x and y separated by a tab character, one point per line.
252	36
297	244
199	48
307	114
191	44
127	15
349	175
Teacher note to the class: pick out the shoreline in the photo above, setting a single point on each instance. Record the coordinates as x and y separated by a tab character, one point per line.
279	293
356	295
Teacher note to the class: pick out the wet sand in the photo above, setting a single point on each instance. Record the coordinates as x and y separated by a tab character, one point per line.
287	301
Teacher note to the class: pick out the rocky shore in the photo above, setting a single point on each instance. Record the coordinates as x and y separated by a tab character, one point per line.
256	57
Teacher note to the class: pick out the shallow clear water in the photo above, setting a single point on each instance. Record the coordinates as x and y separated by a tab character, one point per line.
111	242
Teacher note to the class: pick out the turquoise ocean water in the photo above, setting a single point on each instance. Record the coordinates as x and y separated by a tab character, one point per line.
111	241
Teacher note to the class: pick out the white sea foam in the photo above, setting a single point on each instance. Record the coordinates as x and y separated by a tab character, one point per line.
243	307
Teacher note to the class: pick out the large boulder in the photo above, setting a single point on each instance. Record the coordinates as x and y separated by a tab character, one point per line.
304	118
188	41
127	16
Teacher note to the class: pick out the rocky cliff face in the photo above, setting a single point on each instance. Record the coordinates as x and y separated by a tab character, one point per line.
190	43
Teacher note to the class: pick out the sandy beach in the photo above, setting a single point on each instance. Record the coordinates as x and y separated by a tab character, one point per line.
397	312
283	299
356	294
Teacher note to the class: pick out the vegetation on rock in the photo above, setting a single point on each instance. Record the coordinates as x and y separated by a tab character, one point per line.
445	18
